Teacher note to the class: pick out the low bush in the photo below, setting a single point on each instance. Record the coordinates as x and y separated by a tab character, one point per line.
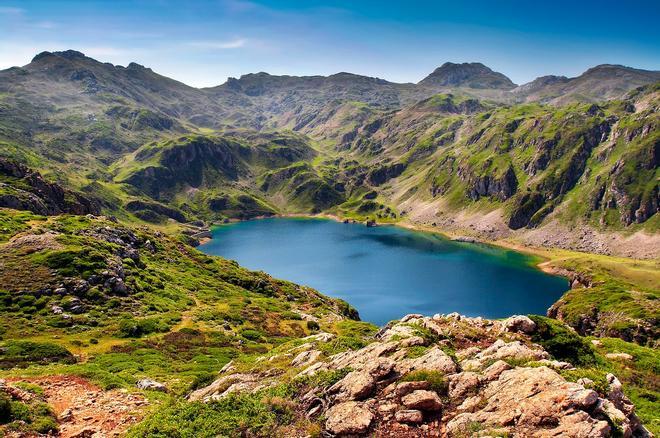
436	379
562	342
24	353
135	328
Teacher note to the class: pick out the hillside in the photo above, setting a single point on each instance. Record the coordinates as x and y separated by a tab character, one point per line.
533	166
110	175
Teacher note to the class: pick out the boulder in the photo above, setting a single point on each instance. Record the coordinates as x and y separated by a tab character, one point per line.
463	383
151	385
306	358
619	356
411	416
348	418
494	370
380	367
356	385
405	388
423	400
501	350
433	360
519	324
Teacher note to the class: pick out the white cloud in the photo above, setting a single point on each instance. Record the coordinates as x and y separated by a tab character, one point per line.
219	45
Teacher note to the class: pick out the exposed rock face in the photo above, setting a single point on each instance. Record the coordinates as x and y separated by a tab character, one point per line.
500	187
32	192
382	174
528	397
387	393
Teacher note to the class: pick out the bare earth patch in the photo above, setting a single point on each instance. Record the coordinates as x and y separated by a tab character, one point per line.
85	410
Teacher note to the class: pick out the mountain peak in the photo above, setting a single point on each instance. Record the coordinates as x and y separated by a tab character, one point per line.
467	74
66	54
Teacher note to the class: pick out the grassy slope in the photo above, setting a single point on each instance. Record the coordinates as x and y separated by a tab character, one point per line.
184	316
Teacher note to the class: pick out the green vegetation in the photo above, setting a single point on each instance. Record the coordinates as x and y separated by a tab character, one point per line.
33	417
436	379
561	342
119	297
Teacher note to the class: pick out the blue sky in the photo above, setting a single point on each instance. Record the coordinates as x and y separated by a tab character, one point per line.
202	43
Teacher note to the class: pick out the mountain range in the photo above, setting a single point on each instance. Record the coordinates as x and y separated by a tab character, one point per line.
465	148
109	175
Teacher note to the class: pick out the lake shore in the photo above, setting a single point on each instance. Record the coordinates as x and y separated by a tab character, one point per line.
568	263
410	270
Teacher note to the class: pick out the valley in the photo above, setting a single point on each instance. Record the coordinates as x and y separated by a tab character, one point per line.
112	176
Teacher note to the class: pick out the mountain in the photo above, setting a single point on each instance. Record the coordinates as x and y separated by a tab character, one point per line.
469	75
109	175
128	136
599	83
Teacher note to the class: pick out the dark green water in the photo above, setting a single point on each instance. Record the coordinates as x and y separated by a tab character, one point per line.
387	272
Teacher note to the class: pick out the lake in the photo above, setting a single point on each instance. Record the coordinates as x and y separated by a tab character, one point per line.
387	272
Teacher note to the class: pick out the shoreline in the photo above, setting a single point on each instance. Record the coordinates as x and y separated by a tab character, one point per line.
543	265
574	265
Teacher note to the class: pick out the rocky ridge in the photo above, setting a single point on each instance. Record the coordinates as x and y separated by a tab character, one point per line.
444	376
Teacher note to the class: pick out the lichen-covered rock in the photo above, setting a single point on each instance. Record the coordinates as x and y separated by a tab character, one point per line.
151	385
412	416
434	360
348	418
394	388
519	323
423	400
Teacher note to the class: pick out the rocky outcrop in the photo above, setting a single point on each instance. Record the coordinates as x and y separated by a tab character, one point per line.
25	189
151	385
383	174
493	382
137	206
500	187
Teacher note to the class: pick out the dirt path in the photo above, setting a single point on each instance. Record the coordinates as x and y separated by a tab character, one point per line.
85	410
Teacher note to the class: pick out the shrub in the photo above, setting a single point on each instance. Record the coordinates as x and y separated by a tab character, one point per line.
22	353
435	378
561	342
251	335
45	425
20	411
135	328
202	380
5	409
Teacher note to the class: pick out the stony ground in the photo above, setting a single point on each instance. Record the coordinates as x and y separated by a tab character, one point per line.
552	234
84	410
446	376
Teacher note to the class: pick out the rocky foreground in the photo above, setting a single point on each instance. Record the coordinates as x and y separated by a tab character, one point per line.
445	376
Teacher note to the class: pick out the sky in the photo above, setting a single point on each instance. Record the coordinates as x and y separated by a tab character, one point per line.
202	43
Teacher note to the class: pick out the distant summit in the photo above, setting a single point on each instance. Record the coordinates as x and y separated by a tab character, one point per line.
467	74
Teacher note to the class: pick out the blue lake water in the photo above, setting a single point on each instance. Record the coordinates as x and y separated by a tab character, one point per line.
386	272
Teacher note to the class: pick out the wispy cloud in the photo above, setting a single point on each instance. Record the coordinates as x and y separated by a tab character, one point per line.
45	25
106	51
219	45
11	10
